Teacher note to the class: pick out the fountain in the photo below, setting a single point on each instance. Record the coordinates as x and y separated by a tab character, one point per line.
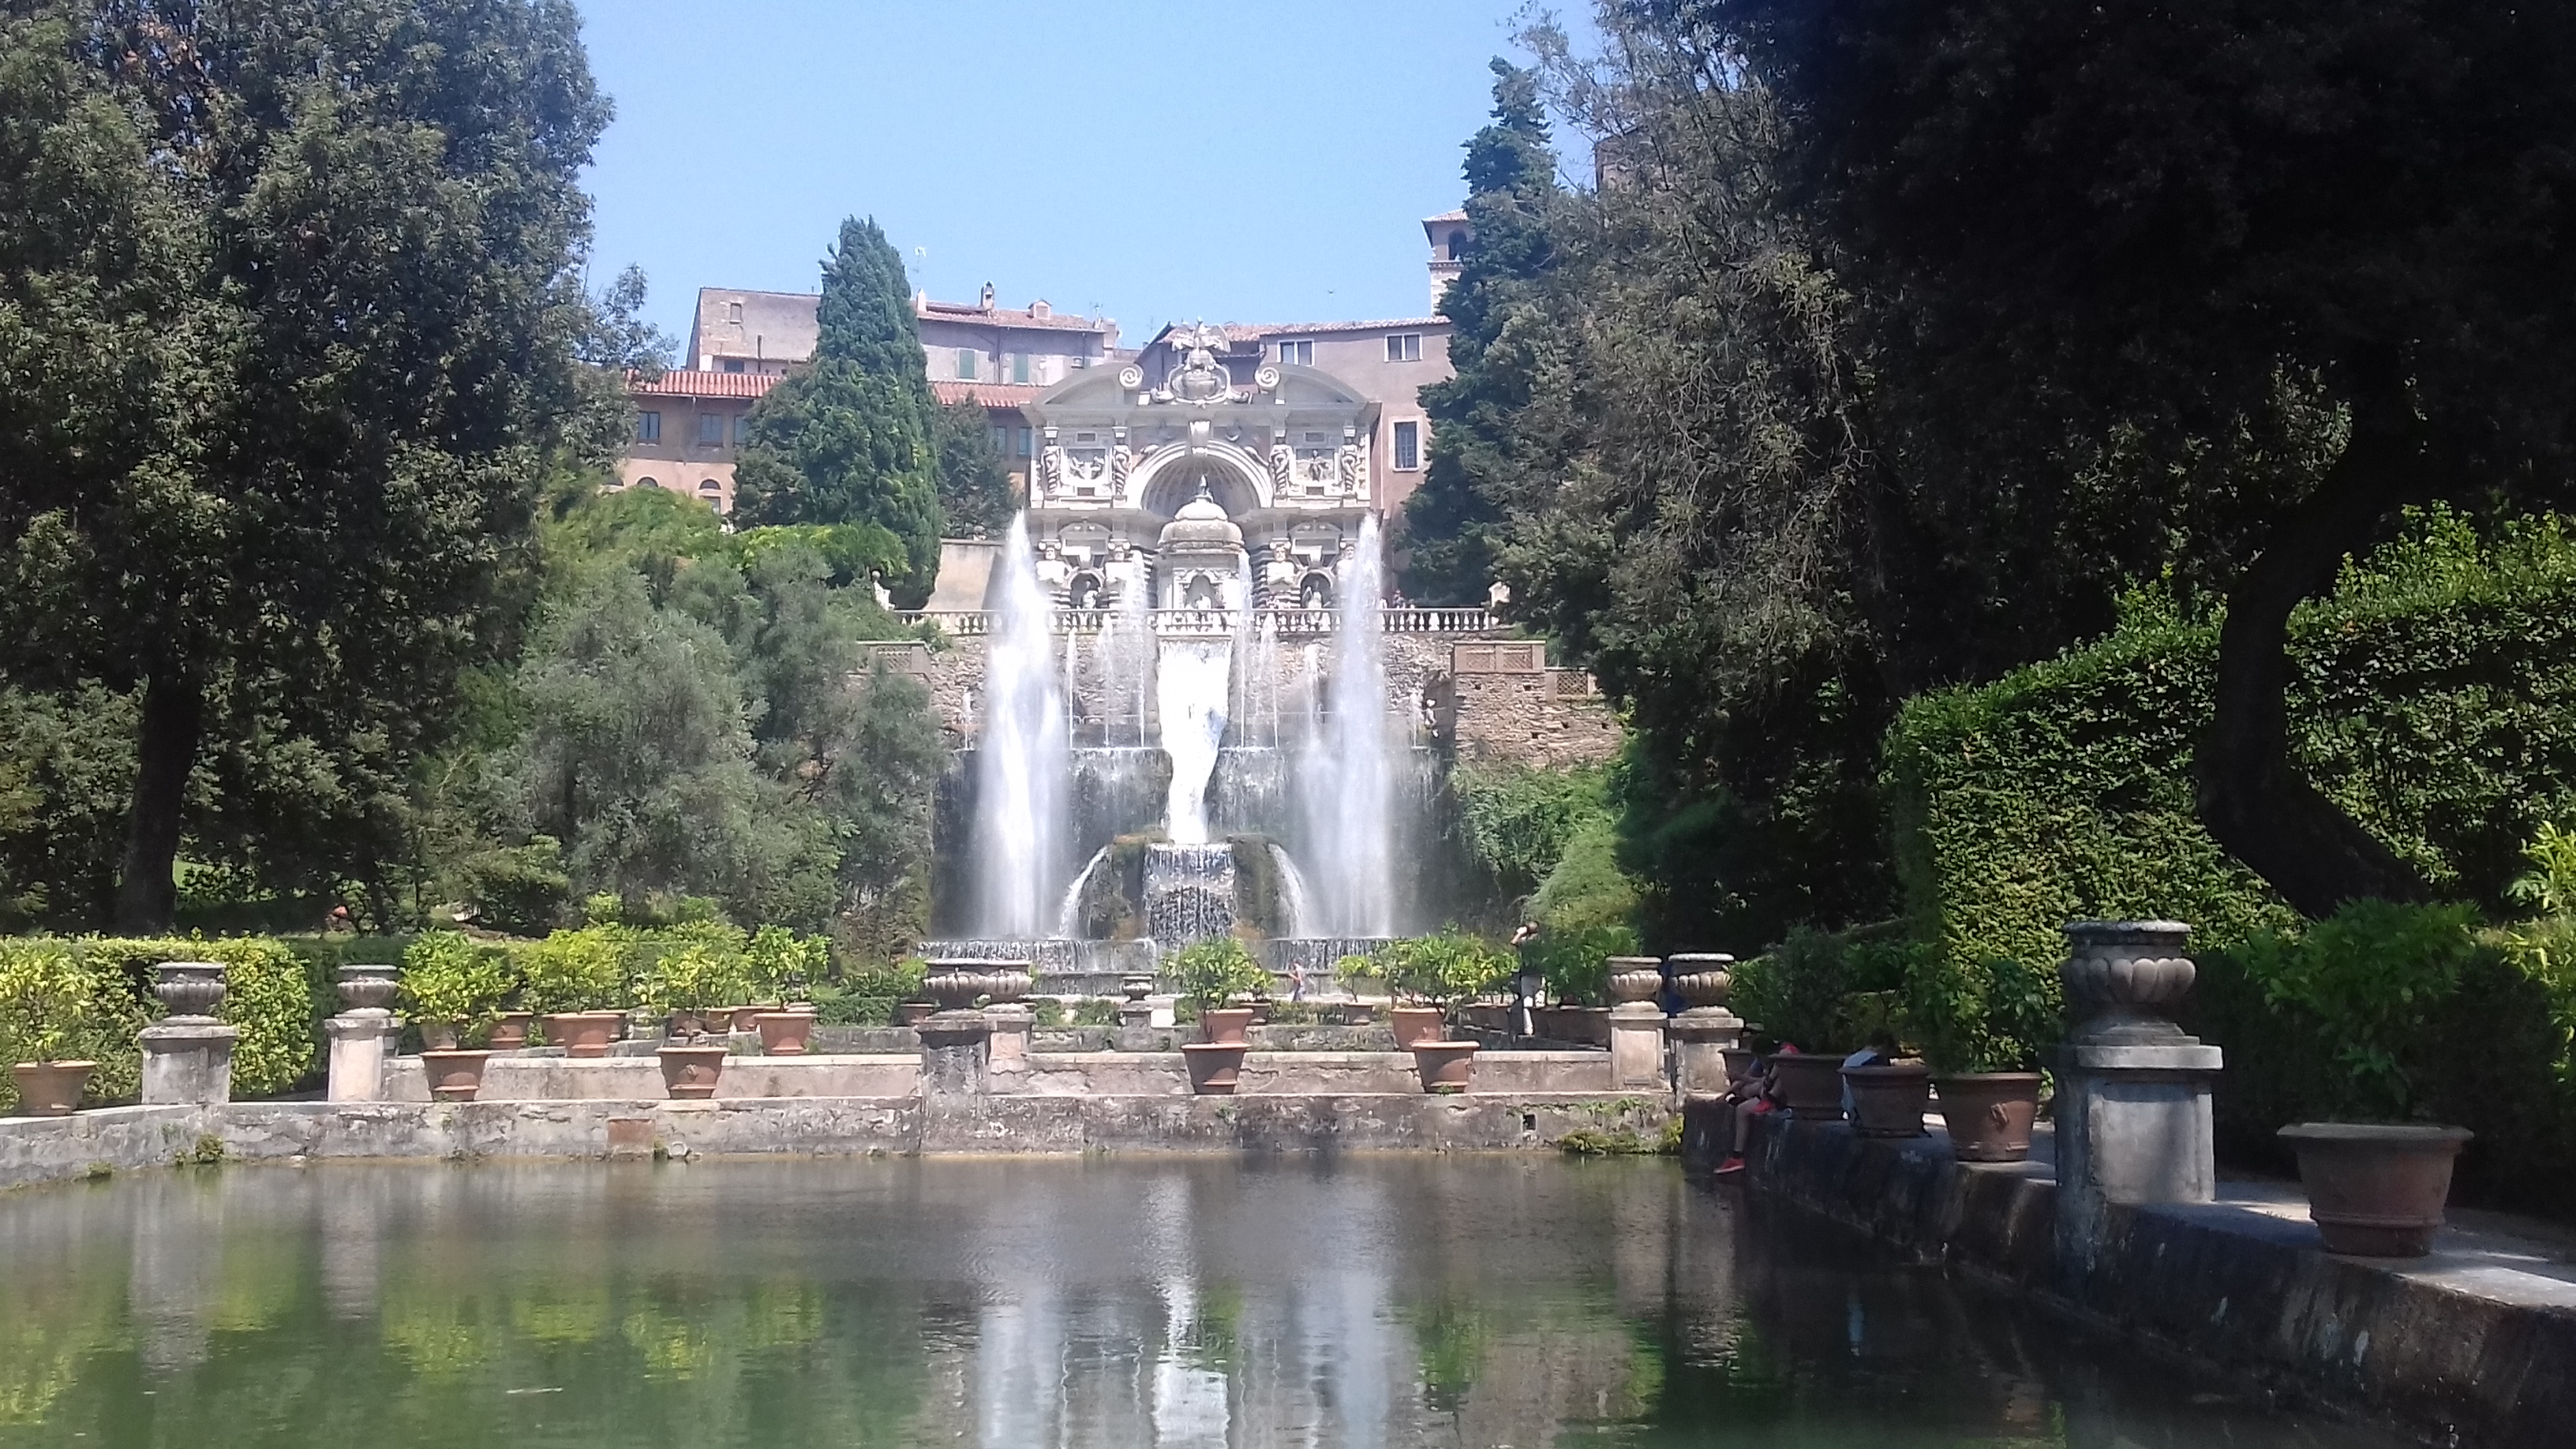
1349	776
1021	758
1211	796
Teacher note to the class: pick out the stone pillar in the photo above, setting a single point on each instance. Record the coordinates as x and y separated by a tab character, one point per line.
2133	1095
1704	1029
1013	1025
956	1057
1636	1023
188	1054
363	1034
1136	1013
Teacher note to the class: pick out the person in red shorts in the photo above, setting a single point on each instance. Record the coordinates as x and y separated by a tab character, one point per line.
1757	1094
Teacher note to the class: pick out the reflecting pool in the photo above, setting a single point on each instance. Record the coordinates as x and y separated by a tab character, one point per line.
1021	1304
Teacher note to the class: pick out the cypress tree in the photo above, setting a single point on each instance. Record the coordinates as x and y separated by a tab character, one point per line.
847	439
1475	462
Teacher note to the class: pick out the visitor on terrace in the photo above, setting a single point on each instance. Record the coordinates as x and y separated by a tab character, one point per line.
1756	1095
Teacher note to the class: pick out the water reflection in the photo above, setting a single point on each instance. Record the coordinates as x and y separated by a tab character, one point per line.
1017	1305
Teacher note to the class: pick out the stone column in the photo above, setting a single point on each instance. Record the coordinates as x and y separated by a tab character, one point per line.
363	1034
1705	1029
957	1039
2133	1093
1636	1023
188	1054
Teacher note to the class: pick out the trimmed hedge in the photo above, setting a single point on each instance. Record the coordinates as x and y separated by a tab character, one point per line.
2434	696
276	996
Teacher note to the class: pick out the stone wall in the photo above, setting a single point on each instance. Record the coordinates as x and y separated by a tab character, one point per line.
1500	703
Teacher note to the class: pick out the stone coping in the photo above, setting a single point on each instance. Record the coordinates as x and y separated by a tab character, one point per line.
110	1140
2473	1345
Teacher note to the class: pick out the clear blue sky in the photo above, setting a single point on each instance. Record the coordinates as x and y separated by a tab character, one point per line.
1152	159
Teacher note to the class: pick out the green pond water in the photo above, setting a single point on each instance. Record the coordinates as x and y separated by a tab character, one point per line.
1483	1301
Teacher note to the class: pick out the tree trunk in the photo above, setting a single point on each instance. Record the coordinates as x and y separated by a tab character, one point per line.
2252	796
166	750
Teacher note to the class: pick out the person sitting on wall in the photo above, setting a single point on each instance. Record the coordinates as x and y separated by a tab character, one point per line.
1757	1095
1880	1051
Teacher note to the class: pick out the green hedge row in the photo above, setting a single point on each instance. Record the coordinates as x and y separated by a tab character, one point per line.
2434	695
277	995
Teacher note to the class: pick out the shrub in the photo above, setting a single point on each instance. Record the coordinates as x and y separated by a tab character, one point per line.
521	889
1444	968
583	970
447	977
1214	971
1517	821
1829	990
1575	961
2432	695
701	970
48	1005
781	964
1995	1015
275	995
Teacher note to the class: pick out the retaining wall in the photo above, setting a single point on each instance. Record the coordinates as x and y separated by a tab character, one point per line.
121	1139
2474	1345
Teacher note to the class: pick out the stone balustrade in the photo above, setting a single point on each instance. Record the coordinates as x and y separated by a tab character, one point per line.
1202	623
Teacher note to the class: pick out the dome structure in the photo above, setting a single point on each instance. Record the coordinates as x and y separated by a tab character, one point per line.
1201	527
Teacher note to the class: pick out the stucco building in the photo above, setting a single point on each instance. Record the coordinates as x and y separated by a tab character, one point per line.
689	421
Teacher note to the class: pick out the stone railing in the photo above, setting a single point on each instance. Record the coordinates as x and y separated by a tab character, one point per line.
1200	623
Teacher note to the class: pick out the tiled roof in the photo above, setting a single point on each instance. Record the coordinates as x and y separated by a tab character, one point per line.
1445	216
688	382
990	394
1005	317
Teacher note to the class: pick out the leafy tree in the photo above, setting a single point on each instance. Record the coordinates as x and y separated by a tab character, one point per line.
974	488
1489	442
2331	220
848	438
287	302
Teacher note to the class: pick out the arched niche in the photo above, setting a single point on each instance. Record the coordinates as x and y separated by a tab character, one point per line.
1170	477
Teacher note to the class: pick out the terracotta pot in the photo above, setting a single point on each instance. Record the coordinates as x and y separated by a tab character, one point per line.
686	1025
1444	1065
1415	1024
1225	1026
2376	1190
1215	1067
1989	1114
583	1033
746	1018
454	1076
510	1030
1812	1084
51	1089
1260	1007
1740	1062
1889	1101
784	1033
438	1036
689	1073
913	1013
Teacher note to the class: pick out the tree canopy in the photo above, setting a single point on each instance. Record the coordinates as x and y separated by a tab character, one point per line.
291	293
850	437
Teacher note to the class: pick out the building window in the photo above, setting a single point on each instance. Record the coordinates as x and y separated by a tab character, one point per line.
711	430
1404	347
1408	446
1077	362
1457	246
733	364
966	363
1297	354
1019	367
742	430
733	313
1028	441
648	481
648	427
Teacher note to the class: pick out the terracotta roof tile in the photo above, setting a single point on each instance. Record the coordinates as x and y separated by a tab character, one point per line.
990	394
1006	317
688	382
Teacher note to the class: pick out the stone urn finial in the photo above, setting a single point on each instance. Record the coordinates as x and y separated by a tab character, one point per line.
1635	978
954	984
1136	988
189	990
2124	980
1704	979
367	989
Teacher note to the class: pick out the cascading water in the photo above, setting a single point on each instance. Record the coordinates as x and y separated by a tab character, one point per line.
1021	759
1191	683
1348	785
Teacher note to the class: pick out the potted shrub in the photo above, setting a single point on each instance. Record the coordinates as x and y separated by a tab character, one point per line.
456	986
1984	1028
688	983
47	1005
1211	973
575	981
783	966
1441	970
2378	1176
